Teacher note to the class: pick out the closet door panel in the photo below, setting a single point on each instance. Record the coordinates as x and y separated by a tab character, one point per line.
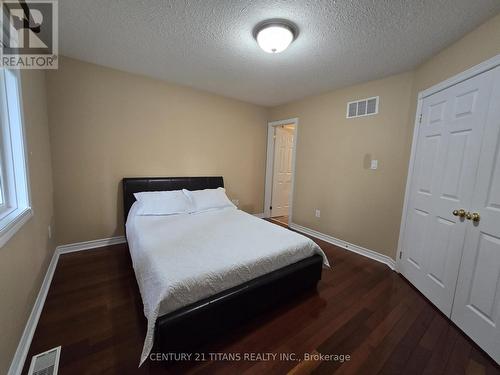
477	302
446	162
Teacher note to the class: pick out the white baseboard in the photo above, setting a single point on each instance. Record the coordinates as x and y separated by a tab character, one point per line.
17	364
259	215
86	245
391	263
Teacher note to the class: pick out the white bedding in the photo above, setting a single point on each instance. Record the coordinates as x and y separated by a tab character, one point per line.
181	259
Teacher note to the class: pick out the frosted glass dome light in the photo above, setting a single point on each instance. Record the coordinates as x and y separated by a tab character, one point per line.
274	36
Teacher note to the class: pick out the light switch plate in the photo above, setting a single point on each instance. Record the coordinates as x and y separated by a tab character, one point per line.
318	213
374	164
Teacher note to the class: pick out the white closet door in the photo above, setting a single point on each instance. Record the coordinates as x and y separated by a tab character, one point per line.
477	302
443	180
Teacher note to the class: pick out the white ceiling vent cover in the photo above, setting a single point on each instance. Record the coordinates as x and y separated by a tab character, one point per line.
361	108
45	363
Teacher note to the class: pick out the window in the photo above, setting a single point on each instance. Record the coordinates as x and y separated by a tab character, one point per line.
361	108
15	207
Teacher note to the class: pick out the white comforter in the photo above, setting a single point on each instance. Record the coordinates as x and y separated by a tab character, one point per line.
181	259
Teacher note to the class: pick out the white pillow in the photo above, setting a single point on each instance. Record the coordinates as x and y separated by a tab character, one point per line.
163	203
208	199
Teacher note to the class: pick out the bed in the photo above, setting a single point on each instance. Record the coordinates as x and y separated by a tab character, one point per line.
200	274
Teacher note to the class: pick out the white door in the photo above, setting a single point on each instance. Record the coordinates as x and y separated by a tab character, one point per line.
282	171
446	162
477	301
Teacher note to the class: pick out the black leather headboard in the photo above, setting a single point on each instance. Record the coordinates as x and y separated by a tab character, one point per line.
138	184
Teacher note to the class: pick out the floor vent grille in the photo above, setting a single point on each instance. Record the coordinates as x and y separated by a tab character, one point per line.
45	363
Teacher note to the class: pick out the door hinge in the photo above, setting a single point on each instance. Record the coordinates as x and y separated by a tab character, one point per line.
400	254
420	119
270	207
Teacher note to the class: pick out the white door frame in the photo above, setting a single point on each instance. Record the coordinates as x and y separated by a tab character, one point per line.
469	73
270	164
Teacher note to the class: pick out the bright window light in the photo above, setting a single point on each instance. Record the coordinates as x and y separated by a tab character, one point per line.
15	205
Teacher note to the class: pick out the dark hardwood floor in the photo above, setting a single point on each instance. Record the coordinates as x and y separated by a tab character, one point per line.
360	309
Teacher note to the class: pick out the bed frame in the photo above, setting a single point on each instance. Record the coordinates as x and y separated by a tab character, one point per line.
188	328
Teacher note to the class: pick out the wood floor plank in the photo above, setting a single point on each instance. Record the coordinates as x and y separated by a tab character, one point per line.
459	357
383	351
361	308
378	332
423	352
396	363
320	329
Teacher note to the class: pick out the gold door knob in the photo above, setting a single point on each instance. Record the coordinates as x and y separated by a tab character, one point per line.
468	216
460	213
475	217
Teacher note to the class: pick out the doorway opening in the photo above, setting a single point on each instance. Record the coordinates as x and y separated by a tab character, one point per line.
280	168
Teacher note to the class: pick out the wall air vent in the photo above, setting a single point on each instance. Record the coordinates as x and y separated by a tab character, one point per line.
45	363
361	108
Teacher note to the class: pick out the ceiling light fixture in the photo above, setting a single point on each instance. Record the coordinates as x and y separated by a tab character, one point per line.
274	36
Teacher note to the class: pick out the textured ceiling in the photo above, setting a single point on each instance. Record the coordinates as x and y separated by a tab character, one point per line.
208	44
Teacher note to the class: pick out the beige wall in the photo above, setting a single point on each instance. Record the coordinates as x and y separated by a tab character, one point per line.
358	205
24	259
474	48
107	124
